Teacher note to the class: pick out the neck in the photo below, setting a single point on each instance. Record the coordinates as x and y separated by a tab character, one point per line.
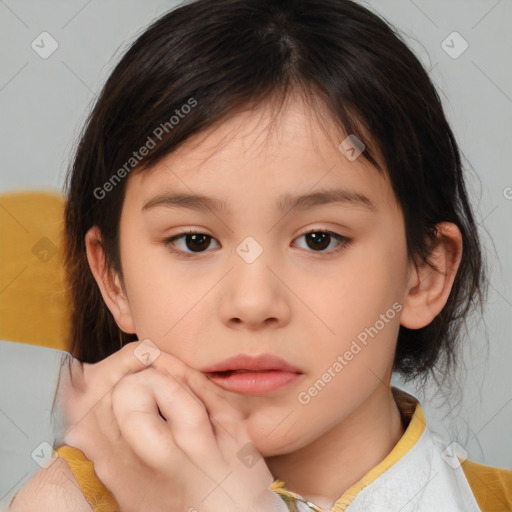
344	454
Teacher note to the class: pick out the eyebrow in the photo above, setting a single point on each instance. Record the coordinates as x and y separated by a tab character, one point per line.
285	202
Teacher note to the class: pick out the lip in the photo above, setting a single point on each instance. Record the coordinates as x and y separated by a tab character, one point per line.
252	382
262	362
253	375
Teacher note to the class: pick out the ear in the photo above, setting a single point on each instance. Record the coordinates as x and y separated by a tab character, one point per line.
108	281
428	289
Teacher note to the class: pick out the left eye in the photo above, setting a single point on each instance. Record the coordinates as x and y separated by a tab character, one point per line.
318	240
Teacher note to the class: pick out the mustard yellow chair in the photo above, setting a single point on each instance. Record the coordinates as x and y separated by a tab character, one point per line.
33	306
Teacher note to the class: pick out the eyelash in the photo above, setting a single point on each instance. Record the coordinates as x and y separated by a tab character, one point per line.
343	241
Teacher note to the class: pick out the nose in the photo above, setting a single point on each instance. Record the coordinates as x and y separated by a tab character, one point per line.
255	295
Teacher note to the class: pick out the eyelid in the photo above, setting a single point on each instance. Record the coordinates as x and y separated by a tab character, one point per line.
168	241
343	241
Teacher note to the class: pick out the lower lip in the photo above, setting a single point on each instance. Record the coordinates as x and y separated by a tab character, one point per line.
254	383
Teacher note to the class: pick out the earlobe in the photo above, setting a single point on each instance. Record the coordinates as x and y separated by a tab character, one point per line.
429	286
108	281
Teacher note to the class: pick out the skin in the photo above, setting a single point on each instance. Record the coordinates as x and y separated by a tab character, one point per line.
286	302
300	303
51	490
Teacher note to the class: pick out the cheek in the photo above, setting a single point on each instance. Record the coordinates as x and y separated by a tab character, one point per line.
364	286
358	319
167	304
148	289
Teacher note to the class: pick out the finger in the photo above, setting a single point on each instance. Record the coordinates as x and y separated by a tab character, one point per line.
218	408
192	435
231	436
248	476
87	384
109	371
226	428
106	420
223	422
97	432
186	429
226	421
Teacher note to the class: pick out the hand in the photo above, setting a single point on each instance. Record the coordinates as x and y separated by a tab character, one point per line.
164	439
55	488
81	390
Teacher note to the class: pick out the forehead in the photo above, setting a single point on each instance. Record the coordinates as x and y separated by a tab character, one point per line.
257	150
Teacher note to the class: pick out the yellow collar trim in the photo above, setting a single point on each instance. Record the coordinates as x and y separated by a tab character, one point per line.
411	410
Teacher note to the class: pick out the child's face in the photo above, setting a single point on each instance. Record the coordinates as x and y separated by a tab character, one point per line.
297	300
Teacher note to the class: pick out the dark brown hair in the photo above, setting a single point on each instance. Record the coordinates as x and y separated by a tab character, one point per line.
228	54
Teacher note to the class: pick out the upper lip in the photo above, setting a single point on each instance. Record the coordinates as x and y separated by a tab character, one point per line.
247	362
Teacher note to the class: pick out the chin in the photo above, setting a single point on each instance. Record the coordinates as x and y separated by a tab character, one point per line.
271	447
272	436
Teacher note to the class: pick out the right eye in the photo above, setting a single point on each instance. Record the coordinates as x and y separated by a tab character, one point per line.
196	241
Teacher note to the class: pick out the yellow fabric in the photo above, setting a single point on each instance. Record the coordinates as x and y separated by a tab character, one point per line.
96	494
33	308
491	486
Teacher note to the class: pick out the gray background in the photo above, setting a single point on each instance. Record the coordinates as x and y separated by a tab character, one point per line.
43	104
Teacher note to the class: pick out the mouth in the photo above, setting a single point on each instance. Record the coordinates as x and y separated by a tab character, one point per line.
253	374
253	382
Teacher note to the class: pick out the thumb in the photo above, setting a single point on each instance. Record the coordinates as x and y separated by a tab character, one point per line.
130	358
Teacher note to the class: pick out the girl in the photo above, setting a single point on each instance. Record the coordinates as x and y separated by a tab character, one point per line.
265	198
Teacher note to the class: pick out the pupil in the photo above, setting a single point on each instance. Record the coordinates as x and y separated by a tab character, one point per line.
318	239
198	241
